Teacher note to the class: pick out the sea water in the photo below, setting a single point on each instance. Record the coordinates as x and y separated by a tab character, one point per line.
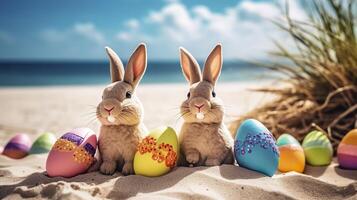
48	73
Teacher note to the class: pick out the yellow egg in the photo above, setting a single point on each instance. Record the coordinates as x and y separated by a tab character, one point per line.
157	153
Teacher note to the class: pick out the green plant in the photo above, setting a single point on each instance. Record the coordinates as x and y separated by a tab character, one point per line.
321	79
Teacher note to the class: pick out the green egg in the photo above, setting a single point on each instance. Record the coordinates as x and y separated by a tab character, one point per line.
287	139
318	148
43	144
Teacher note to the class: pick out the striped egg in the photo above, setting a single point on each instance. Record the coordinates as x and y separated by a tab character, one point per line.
18	146
72	154
347	151
292	157
43	143
318	149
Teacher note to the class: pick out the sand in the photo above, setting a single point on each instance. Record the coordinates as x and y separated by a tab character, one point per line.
59	109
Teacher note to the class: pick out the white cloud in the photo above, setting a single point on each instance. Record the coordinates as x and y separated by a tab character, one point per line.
176	21
86	30
295	10
53	35
262	9
133	24
124	36
244	29
89	31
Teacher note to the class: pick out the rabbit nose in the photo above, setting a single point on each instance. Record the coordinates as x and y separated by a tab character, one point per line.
199	106
108	109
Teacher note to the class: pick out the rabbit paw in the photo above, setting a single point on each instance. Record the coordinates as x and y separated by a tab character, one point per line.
108	168
127	169
193	157
212	162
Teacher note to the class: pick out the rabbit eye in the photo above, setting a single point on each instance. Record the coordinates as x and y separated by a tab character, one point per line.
213	94
188	95
128	95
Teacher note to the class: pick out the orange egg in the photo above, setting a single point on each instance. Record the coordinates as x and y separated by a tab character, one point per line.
292	157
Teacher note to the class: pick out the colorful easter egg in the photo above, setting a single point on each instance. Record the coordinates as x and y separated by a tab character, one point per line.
318	149
72	154
255	148
18	146
347	151
43	143
157	153
292	157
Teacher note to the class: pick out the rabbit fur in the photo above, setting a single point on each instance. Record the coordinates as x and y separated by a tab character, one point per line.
121	113
204	139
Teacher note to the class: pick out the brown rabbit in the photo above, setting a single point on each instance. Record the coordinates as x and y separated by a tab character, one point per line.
121	113
204	139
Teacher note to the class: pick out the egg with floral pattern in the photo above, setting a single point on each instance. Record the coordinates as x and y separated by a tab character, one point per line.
292	157
157	153
255	148
72	154
347	151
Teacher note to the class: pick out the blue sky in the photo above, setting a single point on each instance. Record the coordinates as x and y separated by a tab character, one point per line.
67	29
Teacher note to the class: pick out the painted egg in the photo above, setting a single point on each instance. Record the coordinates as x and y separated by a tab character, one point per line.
18	146
292	157
347	151
318	149
72	154
255	148
157	153
43	143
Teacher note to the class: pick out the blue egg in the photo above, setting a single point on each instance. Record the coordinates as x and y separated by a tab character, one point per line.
255	148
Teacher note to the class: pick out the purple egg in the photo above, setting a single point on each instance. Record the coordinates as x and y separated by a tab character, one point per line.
18	146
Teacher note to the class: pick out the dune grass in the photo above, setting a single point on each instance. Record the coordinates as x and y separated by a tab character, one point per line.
321	79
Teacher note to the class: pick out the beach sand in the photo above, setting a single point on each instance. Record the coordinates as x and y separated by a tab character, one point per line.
59	109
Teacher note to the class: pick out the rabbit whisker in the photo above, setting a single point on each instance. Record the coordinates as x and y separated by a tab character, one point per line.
90	122
212	114
181	115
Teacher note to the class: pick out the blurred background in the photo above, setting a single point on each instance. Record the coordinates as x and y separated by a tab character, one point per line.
62	43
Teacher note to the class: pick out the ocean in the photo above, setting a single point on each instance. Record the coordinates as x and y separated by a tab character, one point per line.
51	73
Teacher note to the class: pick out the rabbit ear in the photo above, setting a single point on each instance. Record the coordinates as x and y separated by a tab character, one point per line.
116	66
213	65
190	67
136	66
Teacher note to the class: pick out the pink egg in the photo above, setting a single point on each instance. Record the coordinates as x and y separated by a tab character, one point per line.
72	154
18	146
347	151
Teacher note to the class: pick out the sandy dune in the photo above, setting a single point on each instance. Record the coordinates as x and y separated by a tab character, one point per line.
59	109
26	178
